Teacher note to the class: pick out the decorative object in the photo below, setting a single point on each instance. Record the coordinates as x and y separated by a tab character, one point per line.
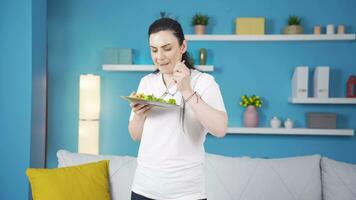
288	123
294	25
321	120
253	100
321	82
300	82
202	56
351	87
250	26
275	122
118	56
341	29
89	114
199	22
251	115
330	29
317	30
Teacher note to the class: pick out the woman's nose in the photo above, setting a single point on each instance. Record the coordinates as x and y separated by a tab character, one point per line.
160	55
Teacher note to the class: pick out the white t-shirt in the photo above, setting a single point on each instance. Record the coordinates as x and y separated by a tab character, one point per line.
170	160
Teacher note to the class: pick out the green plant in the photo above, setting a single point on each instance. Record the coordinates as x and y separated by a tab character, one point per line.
200	19
294	20
162	14
251	100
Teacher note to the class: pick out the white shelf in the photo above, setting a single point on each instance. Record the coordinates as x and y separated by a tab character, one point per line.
293	131
271	37
322	101
106	67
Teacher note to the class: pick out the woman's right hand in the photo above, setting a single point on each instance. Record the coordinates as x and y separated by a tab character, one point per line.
140	110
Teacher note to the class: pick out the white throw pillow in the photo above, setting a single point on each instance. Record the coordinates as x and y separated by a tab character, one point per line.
294	178
338	179
121	170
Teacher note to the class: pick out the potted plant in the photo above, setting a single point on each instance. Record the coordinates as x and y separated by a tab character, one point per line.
251	103
199	22
294	25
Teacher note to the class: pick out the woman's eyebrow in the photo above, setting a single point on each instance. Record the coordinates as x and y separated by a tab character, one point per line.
161	46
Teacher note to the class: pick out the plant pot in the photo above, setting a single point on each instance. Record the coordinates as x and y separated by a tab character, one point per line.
293	29
199	29
251	117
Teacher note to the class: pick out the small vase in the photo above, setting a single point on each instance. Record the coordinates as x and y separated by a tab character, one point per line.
199	29
202	56
288	123
275	122
251	117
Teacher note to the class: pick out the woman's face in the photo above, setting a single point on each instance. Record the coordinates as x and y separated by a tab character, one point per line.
166	51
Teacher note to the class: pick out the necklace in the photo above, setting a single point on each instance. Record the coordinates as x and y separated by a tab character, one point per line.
167	89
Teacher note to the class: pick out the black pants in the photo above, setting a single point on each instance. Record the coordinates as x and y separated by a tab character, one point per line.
135	196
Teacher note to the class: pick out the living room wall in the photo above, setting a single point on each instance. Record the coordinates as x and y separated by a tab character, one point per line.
22	93
79	31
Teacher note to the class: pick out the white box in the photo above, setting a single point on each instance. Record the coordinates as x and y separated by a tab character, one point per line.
321	82
300	82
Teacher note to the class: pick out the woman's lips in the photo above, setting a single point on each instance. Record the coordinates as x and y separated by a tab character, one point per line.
163	65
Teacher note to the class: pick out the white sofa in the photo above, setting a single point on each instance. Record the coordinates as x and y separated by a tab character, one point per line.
233	178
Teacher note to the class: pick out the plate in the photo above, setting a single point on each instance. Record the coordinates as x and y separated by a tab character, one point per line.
154	103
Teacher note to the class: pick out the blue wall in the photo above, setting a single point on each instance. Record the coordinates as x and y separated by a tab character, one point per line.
22	119
80	31
39	83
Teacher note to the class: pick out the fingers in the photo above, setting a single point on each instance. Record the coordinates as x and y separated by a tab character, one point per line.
180	71
180	67
140	108
134	105
147	109
137	106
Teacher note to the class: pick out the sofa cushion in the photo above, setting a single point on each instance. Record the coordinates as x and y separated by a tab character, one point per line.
121	170
83	182
338	179
236	178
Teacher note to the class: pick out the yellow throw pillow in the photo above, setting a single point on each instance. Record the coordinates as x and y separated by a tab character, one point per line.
87	181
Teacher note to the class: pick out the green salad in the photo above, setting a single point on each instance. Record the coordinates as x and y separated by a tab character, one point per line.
151	97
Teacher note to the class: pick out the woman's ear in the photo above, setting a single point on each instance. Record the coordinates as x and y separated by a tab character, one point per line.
184	46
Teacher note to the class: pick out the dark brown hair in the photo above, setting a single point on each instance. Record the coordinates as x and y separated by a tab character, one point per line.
168	24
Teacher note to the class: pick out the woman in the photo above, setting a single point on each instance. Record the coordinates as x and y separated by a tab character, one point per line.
171	153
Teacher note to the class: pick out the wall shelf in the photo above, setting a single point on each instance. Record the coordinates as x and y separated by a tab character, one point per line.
293	131
271	37
322	100
107	67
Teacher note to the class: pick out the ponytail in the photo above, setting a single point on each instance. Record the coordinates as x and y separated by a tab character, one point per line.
189	62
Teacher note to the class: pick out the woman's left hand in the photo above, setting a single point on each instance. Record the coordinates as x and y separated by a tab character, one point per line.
181	76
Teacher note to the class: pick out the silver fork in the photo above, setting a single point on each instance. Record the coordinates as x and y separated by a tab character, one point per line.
164	95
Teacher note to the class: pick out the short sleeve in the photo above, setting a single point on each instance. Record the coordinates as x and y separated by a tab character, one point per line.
141	89
212	95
